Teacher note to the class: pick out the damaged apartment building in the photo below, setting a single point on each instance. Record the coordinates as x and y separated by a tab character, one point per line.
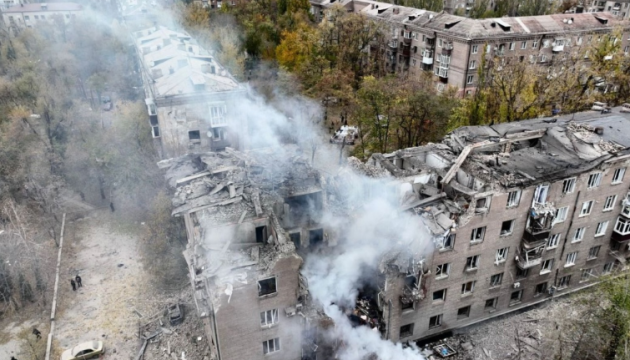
520	213
248	215
190	97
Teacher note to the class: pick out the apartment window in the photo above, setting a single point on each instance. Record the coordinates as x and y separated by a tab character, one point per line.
463	312
586	275
501	255
516	296
568	186
553	241
571	257
469	79
540	195
439	295
496	279
540	289
406	330
523	45
43	17
564	282
535	44
155	131
475	49
561	214
435	321
543	58
513	198
608	267
477	234
267	286
507	227
473	64
594	180
521	273
626	49
622	226
449	242
261	234
609	204
618	175
578	235
26	17
472	263
468	288
271	346
442	271
36	17
413	62
512	46
600	229
587	206
217	115
546	266
269	317
194	135
491	303
593	252
440	42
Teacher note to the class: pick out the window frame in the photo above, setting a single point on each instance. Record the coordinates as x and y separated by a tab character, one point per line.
568	185
443	298
406	334
438	321
523	45
570	259
511	231
468	288
608	267
472	263
444	268
563	210
265	317
513	198
594	180
270	293
578	235
618	175
466	309
496	280
546	266
494	300
613	200
474	49
555	237
593	252
501	255
474	235
518	299
601	228
276	346
587	207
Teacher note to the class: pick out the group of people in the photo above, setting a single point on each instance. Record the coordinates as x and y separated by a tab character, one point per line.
76	283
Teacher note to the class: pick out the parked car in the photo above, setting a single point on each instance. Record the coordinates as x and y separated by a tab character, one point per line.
106	103
175	314
86	350
625	108
598	106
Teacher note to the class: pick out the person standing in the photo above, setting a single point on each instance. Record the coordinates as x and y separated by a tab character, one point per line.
37	333
78	280
74	285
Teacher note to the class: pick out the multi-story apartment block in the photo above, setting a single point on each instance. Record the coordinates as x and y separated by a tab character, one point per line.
516	214
190	97
521	212
451	47
30	15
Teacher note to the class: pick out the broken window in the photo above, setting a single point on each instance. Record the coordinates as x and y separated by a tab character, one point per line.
546	266
521	273
618	175
406	330
194	135
315	237
578	235
568	185
540	195
593	252
261	234
608	267
442	271
514	198
439	295
271	346
507	227
435	321
491	303
516	296
586	275
269	317
594	180
496	279
295	238
463	312
267	286
609	204
217	115
501	255
448	242
571	257
468	288
553	241
472	262
408	305
155	131
482	203
476	236
540	289
561	214
564	282
587	206
601	227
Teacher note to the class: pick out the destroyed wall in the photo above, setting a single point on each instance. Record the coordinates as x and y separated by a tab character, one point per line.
240	332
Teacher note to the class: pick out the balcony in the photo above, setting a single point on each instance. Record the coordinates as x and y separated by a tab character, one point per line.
527	258
621	233
393	44
558	48
407	41
411	294
406	51
442	72
427	58
447	49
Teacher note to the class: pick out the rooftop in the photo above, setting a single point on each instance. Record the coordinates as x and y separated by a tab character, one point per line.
39	7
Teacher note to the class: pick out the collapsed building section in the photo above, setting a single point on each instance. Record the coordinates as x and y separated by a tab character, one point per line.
246	213
519	213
